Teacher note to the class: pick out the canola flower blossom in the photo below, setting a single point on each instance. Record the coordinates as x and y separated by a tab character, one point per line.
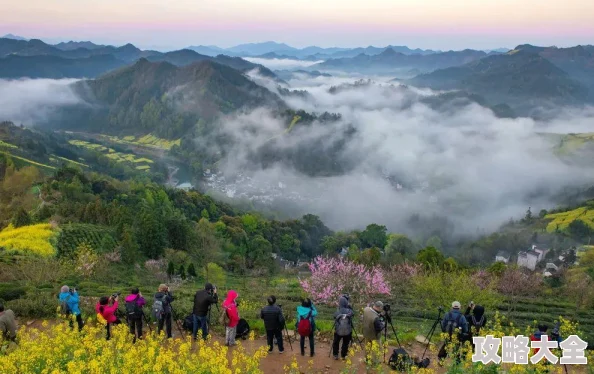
58	349
28	240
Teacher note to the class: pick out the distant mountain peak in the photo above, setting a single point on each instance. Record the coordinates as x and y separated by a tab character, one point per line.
15	37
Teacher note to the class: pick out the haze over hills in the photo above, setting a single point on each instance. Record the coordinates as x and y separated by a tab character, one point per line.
526	78
161	98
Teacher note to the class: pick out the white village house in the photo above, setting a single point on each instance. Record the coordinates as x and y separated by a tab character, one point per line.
502	257
529	259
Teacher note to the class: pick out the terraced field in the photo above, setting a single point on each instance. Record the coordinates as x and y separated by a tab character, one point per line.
140	163
149	141
561	221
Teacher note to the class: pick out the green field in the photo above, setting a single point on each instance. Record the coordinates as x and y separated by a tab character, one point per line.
140	163
149	141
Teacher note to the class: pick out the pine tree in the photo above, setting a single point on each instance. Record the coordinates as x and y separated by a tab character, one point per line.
182	271
170	270
191	270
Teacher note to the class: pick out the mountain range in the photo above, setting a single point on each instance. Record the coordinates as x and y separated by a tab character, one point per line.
526	77
392	62
36	59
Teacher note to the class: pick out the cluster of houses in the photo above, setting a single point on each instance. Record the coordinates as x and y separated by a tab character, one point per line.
532	258
286	264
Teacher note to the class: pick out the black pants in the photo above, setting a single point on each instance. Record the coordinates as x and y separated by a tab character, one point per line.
108	328
278	334
79	321
165	319
311	344
135	325
346	340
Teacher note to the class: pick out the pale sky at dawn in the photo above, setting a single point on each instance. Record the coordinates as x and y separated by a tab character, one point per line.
437	24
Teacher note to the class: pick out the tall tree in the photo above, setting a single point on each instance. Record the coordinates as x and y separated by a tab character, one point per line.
374	235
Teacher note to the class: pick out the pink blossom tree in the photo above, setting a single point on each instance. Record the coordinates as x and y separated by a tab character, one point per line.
332	277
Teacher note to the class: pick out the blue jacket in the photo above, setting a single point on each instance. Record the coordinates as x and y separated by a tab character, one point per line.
302	313
72	301
455	315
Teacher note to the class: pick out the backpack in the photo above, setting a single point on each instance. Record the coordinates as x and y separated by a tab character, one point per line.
304	326
224	317
400	360
452	325
478	324
64	307
158	308
343	325
188	323
243	329
132	308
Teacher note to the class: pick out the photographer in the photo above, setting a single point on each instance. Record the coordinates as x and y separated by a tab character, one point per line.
69	300
202	302
343	327
373	325
306	324
107	307
475	316
8	325
453	323
162	309
274	322
134	304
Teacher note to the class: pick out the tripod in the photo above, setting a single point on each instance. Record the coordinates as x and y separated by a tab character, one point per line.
388	318
179	327
288	337
432	331
147	322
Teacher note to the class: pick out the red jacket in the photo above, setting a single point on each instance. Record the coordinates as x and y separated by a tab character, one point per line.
230	308
108	311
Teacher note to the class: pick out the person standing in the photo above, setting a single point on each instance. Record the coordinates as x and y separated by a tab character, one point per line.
202	302
306	325
373	325
8	325
455	325
162	309
134	304
274	322
107	307
343	327
69	306
230	309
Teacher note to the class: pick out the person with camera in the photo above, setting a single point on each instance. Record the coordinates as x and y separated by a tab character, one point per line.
454	324
306	324
8	325
274	322
69	307
106	308
373	325
134	304
162	309
203	300
475	316
343	327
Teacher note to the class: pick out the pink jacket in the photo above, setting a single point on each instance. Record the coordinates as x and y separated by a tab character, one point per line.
230	308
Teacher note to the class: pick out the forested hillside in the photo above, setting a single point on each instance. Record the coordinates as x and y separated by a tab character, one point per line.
161	98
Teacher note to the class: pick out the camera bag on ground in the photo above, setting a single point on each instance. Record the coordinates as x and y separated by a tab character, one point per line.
243	329
400	360
188	323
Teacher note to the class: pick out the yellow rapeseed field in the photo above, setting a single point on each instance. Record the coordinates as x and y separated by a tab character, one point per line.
61	350
33	239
